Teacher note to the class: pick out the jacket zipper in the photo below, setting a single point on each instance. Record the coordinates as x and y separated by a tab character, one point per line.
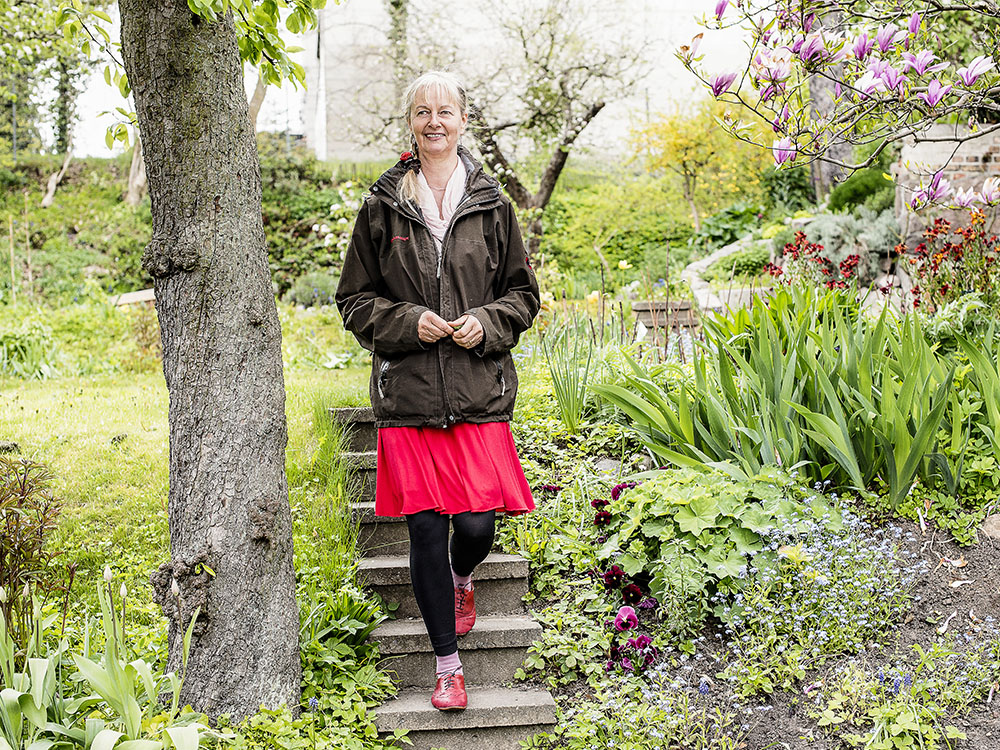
463	209
381	378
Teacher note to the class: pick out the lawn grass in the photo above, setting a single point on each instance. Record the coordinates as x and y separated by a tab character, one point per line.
105	440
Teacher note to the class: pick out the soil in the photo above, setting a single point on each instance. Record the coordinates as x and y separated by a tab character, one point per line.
787	724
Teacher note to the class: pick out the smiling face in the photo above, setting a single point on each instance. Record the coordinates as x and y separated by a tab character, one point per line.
436	122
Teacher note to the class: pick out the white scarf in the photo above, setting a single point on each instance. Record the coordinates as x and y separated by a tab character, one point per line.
454	192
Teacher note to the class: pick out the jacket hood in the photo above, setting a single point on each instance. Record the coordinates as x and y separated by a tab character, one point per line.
476	179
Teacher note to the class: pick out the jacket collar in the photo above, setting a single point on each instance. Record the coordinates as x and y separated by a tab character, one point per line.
478	184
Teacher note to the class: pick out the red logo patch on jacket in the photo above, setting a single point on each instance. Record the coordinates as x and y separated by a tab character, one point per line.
398	237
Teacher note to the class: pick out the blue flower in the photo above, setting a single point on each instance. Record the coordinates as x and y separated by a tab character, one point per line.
313	703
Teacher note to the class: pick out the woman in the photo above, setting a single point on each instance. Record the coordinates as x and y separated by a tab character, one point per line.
437	285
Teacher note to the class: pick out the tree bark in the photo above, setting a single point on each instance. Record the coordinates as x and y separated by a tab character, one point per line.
230	522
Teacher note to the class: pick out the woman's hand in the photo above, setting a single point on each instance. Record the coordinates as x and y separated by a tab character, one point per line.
432	327
468	331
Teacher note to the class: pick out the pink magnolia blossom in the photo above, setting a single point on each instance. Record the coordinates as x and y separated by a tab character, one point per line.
813	48
990	194
784	150
721	82
890	76
934	94
888	35
937	191
720	8
869	83
976	68
920	63
778	125
862	46
914	25
964	198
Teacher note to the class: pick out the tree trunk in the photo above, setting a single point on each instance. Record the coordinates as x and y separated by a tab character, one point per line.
822	92
136	175
256	100
230	522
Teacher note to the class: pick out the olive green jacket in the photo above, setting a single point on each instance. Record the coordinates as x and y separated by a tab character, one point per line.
392	274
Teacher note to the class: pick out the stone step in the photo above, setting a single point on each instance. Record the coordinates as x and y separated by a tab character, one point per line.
501	582
491	652
360	434
496	719
361	474
379	535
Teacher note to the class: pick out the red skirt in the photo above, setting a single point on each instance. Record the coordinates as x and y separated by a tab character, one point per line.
466	467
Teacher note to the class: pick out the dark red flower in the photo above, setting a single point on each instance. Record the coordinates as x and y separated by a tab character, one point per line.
602	518
599	502
631	594
614	578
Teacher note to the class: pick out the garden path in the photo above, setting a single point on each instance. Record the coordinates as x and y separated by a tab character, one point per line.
500	714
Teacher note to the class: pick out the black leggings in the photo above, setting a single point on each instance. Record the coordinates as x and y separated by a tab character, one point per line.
430	569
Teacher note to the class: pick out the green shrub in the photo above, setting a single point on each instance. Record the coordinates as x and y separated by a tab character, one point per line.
27	351
748	262
861	186
316	288
869	235
726	226
788	190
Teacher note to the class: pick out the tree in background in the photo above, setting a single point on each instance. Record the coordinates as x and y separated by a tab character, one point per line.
33	50
710	169
556	66
895	71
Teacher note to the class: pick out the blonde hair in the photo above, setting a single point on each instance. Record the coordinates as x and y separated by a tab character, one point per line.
446	86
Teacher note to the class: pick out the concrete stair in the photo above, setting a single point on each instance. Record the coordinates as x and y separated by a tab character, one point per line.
499	715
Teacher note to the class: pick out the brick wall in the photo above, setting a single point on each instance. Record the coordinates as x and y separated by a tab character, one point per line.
967	167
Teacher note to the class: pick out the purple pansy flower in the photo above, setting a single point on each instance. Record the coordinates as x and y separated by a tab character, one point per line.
626	619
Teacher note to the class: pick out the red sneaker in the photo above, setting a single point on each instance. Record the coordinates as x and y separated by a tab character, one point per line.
465	610
449	695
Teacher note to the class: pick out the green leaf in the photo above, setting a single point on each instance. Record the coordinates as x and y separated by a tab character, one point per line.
105	739
184	738
139	745
698	515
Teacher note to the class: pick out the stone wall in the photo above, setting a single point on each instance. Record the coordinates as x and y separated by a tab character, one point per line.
967	167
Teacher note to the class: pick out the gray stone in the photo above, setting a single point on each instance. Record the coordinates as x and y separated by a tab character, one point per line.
491	653
379	535
360	434
501	583
609	466
991	527
488	707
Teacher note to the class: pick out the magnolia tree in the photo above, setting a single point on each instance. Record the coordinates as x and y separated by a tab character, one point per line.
891	75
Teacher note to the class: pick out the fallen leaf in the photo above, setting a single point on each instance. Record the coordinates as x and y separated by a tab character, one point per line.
972	616
944	626
956	584
958	563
